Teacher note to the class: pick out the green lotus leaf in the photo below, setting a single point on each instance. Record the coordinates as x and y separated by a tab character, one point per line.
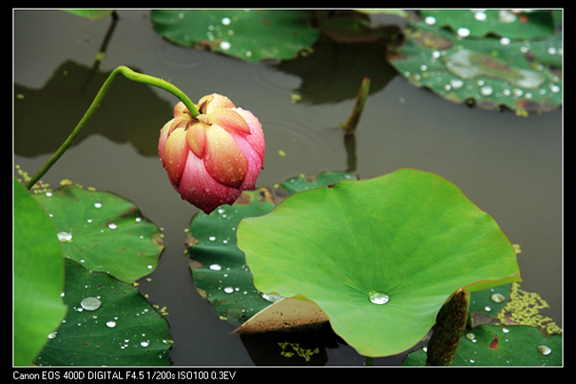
491	72
250	35
302	182
380	256
478	23
104	232
38	277
220	274
109	323
509	346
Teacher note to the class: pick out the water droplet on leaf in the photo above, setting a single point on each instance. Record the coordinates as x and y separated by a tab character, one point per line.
64	237
91	303
544	350
379	298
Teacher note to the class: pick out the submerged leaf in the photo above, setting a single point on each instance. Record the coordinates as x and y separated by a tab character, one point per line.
385	253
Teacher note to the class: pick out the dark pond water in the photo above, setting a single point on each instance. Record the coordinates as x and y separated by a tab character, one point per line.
510	166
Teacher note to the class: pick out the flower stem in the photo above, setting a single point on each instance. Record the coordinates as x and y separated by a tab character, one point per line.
129	74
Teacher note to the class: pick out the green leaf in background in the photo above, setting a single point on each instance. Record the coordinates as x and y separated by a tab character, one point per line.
508	346
250	35
109	324
104	232
90	14
221	275
478	23
380	256
38	277
302	182
492	72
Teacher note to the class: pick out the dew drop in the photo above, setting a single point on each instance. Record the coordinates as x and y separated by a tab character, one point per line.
497	297
64	237
505	41
226	21
379	298
225	45
216	267
463	32
480	16
52	335
212	238
112	226
456	83
486	90
48	194
271	297
91	303
430	20
228	289
145	343
111	324
544	350
98	205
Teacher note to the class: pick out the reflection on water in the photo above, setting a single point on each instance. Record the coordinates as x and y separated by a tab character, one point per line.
131	112
509	166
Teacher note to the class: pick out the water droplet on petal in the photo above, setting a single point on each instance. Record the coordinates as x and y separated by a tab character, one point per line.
379	298
64	237
91	303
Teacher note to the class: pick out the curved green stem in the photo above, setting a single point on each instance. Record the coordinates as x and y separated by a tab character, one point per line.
129	74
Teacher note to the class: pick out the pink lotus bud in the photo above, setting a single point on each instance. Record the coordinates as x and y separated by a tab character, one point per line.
212	158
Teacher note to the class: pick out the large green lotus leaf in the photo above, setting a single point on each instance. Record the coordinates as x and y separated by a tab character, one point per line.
509	346
410	235
104	232
38	277
492	72
109	324
250	35
524	25
221	275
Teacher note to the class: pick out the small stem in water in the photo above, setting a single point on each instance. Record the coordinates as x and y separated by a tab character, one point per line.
129	74
350	125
